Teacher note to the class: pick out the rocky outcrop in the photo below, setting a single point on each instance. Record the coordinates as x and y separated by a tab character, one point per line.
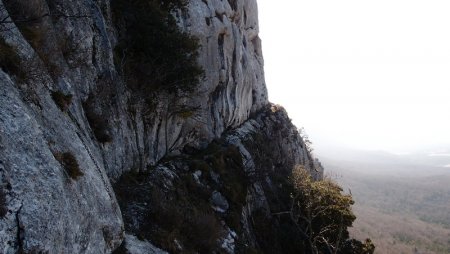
226	193
231	51
270	146
61	93
136	246
47	210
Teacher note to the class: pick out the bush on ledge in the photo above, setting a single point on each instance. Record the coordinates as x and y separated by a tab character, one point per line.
152	52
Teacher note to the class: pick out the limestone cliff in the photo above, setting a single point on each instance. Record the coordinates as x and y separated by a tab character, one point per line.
59	83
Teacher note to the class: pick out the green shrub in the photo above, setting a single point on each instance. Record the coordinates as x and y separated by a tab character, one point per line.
226	161
165	212
202	231
3	208
181	215
192	187
70	164
62	100
199	165
153	54
183	218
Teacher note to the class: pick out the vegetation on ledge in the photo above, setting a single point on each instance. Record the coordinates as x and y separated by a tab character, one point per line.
153	53
174	210
322	215
70	164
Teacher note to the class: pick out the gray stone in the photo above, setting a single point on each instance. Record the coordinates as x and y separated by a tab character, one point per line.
219	202
197	174
50	212
136	246
228	242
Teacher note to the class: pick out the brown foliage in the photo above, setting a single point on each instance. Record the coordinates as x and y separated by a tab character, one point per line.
70	164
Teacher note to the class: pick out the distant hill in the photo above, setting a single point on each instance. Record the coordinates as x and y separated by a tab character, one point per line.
402	201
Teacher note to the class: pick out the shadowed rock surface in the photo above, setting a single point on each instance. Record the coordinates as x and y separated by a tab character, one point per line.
61	92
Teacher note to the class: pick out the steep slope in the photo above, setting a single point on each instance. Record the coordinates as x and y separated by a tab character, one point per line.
70	124
220	199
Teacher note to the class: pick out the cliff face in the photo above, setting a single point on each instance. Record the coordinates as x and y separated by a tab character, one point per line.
226	192
59	83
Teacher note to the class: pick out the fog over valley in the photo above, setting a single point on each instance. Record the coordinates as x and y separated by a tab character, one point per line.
368	81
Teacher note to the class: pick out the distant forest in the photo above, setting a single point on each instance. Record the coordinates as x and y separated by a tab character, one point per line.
401	212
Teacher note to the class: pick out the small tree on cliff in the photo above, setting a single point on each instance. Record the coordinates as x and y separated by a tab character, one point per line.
322	214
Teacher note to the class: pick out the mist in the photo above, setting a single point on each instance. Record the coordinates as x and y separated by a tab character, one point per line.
363	75
369	82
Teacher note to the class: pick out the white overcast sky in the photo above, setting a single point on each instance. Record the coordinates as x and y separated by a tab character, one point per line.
361	74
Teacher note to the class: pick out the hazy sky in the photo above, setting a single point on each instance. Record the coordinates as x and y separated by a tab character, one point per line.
358	73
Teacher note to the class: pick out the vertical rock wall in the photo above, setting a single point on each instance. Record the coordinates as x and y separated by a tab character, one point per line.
232	57
67	47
